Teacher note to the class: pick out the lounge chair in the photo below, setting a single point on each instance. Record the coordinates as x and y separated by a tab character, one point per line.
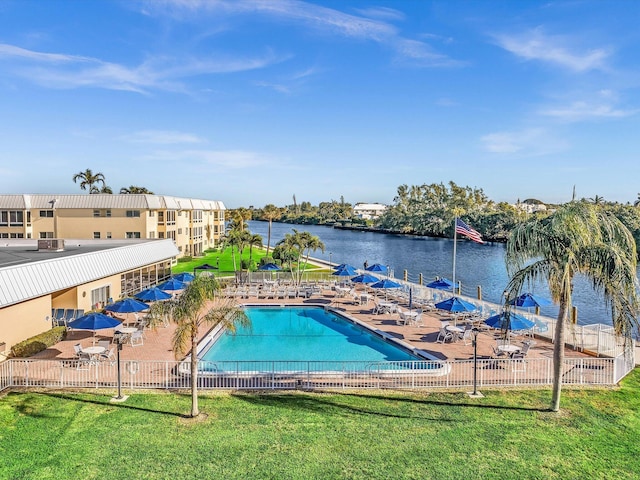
58	317
467	336
136	338
84	359
108	356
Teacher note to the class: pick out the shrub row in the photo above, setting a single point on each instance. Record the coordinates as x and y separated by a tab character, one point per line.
40	342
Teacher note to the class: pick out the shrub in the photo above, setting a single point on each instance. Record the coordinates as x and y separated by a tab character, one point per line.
265	260
40	342
185	259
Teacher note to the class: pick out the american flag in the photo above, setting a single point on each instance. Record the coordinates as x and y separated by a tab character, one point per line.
464	229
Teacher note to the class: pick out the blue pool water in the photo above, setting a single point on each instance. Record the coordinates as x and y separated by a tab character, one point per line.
302	334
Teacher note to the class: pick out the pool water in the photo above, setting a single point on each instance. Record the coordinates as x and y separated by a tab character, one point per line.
302	334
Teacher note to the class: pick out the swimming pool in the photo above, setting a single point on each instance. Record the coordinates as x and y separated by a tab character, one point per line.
310	334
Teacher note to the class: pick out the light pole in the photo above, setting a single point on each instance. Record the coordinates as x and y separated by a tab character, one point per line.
119	339
475	393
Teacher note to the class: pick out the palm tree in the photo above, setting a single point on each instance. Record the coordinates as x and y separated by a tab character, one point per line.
254	240
103	189
194	309
579	238
270	212
300	245
135	190
89	180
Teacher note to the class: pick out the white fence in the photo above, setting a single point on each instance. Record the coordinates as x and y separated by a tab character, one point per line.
429	375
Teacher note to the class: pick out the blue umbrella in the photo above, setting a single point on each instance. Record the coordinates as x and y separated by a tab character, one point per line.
441	284
128	305
528	300
515	321
347	271
172	284
204	266
456	305
364	278
376	267
386	283
152	295
94	321
183	277
269	267
343	265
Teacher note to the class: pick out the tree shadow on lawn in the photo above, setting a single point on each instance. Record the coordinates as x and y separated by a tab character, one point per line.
319	402
107	403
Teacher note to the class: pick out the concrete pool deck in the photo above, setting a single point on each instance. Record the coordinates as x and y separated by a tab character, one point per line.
157	344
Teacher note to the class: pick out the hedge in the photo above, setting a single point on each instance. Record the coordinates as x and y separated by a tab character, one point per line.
40	342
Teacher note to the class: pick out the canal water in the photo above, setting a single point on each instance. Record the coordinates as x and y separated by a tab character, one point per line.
476	264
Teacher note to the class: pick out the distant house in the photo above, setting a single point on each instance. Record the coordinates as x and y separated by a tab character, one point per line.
368	211
531	205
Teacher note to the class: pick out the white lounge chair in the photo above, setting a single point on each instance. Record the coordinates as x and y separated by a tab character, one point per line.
444	335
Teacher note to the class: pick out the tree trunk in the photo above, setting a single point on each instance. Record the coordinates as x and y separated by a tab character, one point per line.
194	374
269	238
558	355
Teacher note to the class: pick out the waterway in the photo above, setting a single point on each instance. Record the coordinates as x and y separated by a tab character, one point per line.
476	264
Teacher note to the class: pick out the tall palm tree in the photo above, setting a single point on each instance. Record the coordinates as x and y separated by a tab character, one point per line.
578	238
270	212
201	305
254	240
89	180
135	190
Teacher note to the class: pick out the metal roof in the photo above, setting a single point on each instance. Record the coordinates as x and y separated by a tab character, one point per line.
137	201
32	277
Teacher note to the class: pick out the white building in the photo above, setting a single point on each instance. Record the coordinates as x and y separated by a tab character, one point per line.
368	211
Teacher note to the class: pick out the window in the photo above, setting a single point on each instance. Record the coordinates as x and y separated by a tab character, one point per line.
46	234
16	218
100	296
152	213
133	213
46	213
28	219
179	231
96	213
4	218
4	235
96	235
171	217
152	234
161	218
133	235
108	213
160	234
16	235
108	234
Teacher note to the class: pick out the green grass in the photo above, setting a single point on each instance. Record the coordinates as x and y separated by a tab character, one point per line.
369	435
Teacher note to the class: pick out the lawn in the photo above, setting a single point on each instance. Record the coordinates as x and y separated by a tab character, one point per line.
368	435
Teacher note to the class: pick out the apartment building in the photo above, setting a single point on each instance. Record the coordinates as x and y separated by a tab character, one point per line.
193	224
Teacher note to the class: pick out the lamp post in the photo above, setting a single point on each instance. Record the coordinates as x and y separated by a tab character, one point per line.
475	392
119	340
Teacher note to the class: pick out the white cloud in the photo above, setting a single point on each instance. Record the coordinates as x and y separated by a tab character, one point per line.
581	110
163	73
527	142
312	16
536	45
381	13
162	137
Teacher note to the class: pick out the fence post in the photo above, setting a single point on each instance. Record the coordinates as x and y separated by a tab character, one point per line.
480	292
405	275
420	279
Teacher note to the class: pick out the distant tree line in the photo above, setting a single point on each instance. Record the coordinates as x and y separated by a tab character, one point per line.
430	209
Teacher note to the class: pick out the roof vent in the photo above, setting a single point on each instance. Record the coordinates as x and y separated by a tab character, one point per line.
51	245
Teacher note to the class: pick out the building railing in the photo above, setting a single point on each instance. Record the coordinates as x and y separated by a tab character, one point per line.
422	375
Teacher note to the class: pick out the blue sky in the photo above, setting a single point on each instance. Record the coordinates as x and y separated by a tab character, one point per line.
251	102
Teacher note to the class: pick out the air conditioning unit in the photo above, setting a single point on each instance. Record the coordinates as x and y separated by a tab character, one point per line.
51	245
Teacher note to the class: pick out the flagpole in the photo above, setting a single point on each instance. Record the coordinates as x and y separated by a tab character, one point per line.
455	241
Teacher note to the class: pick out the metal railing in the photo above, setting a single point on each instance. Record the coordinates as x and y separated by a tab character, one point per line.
429	375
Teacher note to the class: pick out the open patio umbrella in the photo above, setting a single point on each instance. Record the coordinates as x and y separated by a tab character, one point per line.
183	277
513	320
128	305
441	284
529	300
347	271
456	305
385	284
377	267
343	265
172	284
94	321
269	267
364	278
153	294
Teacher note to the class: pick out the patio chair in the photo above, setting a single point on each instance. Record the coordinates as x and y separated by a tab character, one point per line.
106	344
417	321
58	317
523	351
136	338
69	314
108	356
467	336
444	335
